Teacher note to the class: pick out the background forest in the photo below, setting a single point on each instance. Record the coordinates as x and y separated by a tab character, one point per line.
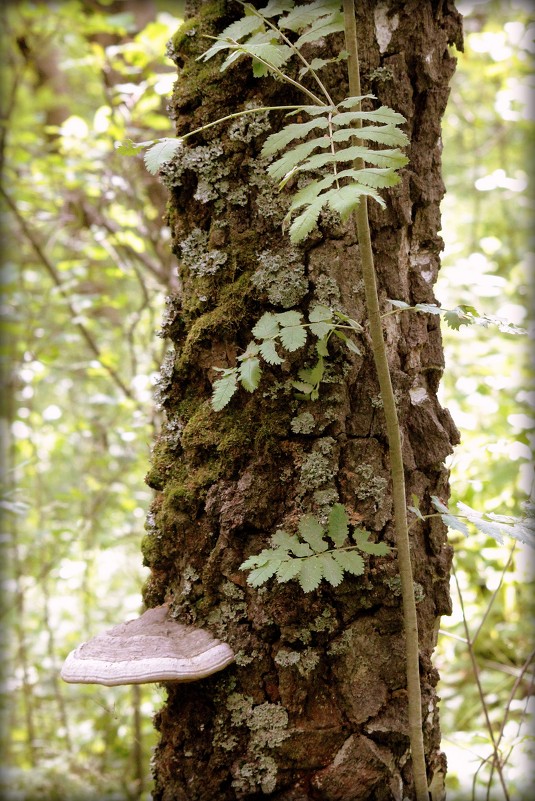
86	267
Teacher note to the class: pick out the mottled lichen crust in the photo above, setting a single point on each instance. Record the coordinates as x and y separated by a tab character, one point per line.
315	701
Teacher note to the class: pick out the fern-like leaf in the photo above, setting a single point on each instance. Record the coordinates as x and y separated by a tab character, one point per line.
310	574
224	388
280	139
362	540
160	153
350	561
338	529
332	572
312	532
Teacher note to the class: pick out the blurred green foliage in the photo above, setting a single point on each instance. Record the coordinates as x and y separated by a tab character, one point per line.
488	387
86	266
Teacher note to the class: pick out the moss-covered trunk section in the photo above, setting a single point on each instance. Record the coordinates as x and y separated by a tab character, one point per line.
315	706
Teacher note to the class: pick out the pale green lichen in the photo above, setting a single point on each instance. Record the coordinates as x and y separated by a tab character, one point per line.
282	277
243	659
326	291
271	204
303	424
285	657
249	126
227	612
394	585
189	577
326	498
268	728
197	257
164	380
325	622
370	486
207	162
316	470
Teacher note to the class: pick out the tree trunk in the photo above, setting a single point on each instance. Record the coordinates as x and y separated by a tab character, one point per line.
315	706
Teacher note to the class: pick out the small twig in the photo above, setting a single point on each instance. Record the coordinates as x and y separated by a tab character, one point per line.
475	668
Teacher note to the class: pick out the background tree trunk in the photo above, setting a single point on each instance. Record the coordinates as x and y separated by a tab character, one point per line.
315	707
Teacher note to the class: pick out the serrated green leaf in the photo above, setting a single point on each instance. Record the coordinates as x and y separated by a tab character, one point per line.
302	386
223	389
293	337
160	153
455	318
338	529
347	198
383	134
310	574
250	372
269	352
306	14
318	313
350	561
242	27
289	318
321	323
282	539
399	304
260	575
295	130
384	114
312	375
311	531
333	23
288	570
267	327
306	221
351	102
331	570
316	64
362	539
280	168
130	148
439	505
302	549
322	348
276	7
353	347
428	308
274	54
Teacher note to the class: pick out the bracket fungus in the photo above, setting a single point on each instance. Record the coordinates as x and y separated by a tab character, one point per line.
152	648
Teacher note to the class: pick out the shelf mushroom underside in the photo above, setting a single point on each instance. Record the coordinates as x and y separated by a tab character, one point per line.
150	649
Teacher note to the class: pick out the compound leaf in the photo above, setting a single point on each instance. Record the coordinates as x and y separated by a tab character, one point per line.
350	561
267	327
276	141
361	538
332	572
310	574
250	373
160	153
224	388
293	337
311	531
269	352
338	529
288	570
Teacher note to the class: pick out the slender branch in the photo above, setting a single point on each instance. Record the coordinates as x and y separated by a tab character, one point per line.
475	667
410	619
49	267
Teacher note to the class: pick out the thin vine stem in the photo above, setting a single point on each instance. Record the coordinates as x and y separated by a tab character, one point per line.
497	763
410	619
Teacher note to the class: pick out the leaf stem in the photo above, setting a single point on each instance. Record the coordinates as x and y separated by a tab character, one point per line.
291	45
410	619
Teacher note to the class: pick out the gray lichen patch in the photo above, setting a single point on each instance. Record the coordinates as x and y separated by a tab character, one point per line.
303	423
197	257
282	277
249	126
267	726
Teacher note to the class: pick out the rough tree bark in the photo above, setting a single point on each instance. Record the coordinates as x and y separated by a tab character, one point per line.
316	706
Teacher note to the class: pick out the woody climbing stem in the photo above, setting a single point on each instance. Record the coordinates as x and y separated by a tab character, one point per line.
394	442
